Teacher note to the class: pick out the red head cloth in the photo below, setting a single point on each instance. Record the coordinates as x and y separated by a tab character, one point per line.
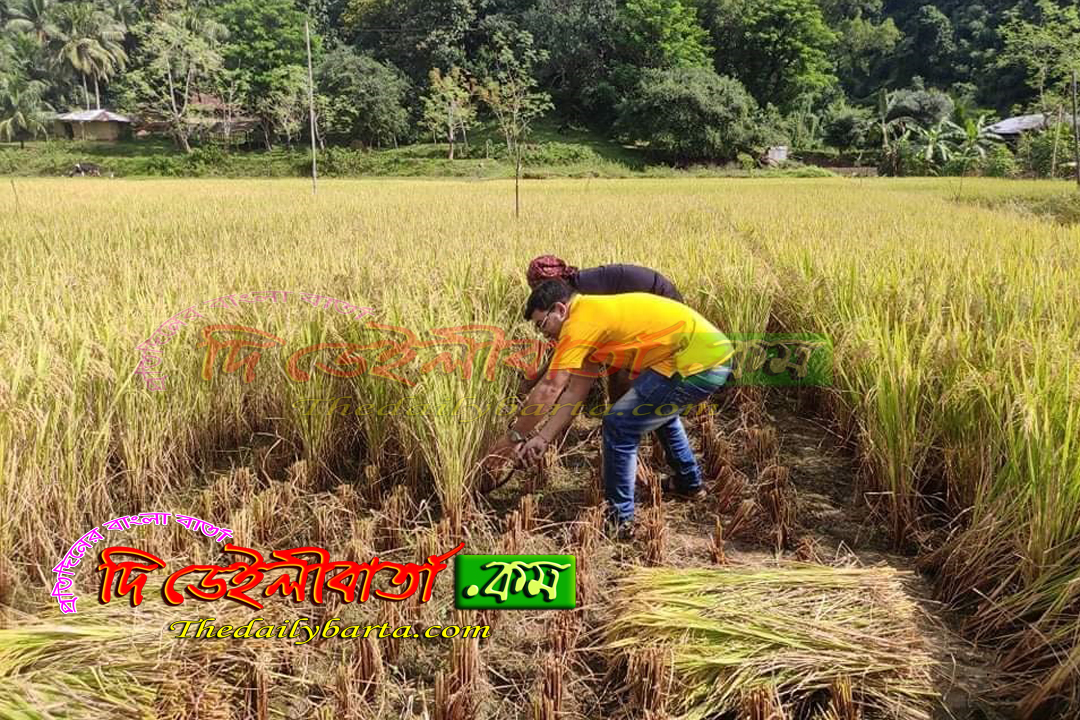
548	267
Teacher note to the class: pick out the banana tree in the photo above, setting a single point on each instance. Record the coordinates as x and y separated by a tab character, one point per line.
938	143
977	138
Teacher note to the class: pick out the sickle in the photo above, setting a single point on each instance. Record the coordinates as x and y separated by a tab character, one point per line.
506	478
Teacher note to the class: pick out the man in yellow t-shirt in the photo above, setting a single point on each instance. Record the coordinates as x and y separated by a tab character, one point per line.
679	358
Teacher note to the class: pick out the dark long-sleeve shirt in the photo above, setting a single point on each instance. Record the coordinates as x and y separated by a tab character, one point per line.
617	279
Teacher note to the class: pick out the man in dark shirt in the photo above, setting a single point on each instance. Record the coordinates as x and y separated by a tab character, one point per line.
602	280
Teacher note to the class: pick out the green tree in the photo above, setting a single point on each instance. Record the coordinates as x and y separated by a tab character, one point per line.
22	54
687	114
361	99
1048	48
581	52
90	43
263	36
22	109
34	16
866	47
434	33
286	103
663	34
124	13
779	50
511	94
178	61
448	106
847	127
929	50
919	104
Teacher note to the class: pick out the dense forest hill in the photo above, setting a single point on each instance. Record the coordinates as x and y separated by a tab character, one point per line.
690	79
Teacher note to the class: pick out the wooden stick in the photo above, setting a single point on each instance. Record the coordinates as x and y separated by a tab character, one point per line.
1076	135
311	107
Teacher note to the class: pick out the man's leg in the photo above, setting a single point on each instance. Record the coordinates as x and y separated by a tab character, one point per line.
690	392
625	423
618	385
680	456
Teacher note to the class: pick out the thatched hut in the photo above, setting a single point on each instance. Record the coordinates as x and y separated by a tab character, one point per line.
91	125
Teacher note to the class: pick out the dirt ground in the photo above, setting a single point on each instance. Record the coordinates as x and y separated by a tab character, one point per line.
270	501
831	524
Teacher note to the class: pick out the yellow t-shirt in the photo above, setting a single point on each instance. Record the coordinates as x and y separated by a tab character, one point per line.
639	331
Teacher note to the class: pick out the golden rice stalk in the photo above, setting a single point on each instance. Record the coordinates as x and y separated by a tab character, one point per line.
257	694
654	531
742	520
371	485
359	544
719	456
300	477
649	675
730	485
706	424
396	509
594	488
326	522
751	402
716	548
588	529
539	475
510	543
763	444
457	694
564	629
808	550
349	497
774	496
841	701
548	701
527	507
762	703
393	615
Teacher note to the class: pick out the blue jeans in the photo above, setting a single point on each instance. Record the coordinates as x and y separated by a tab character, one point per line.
653	403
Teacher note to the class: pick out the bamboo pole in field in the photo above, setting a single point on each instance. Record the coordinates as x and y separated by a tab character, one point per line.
311	107
1076	135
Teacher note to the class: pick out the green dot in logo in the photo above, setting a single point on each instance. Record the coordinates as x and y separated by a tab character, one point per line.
471	591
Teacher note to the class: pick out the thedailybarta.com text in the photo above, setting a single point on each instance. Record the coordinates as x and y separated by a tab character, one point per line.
301	633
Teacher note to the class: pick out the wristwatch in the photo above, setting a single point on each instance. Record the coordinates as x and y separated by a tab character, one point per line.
516	436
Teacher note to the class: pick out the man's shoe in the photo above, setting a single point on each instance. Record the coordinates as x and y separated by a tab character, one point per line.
694	495
620	530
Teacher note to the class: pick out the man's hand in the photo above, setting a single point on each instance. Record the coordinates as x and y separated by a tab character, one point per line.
500	452
532	450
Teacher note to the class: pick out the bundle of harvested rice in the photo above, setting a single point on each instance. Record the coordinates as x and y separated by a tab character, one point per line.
116	661
799	628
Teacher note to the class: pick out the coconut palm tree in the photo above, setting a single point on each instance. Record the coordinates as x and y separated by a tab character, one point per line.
90	43
34	16
22	110
20	52
123	12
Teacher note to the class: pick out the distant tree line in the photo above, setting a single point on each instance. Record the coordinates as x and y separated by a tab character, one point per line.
691	80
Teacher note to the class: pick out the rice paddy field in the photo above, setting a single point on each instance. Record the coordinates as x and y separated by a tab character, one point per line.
904	543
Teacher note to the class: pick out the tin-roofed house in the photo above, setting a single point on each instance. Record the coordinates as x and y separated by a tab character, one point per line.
1012	128
92	125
